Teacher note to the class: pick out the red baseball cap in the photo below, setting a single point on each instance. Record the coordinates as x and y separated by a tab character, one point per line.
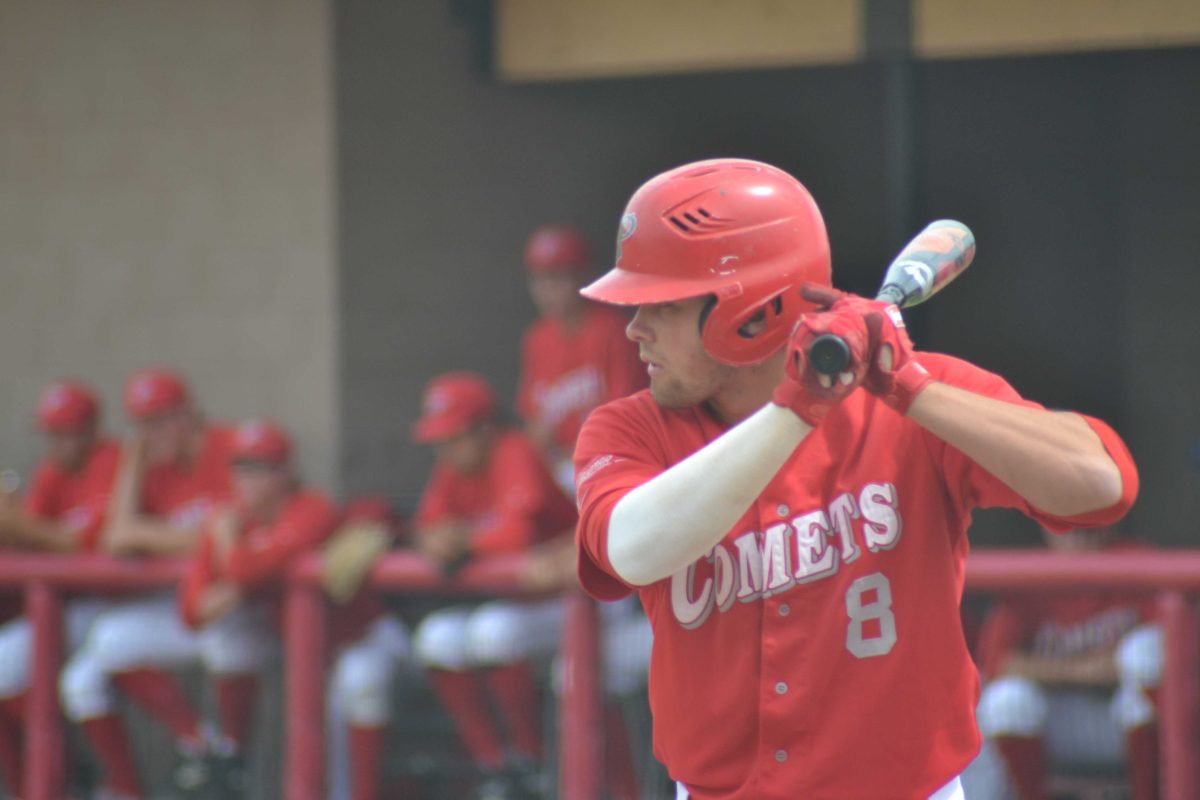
66	407
453	403
154	391
261	441
553	249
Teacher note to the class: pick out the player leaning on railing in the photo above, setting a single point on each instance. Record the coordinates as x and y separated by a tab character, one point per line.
62	513
798	543
173	471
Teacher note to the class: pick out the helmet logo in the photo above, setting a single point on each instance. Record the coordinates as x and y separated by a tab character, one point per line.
628	226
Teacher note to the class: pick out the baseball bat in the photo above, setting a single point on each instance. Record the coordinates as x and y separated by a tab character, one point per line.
931	260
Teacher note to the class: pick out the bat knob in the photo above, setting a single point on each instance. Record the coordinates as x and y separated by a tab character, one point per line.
829	354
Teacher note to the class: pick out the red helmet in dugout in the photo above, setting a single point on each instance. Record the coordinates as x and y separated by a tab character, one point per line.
555	248
744	232
66	407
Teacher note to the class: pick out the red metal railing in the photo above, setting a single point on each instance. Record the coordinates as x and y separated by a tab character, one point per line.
304	611
45	580
1173	575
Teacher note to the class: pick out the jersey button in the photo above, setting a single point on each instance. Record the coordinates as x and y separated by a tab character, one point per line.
781	688
784	609
781	756
782	511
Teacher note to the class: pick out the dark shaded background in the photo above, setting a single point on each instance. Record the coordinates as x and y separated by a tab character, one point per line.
1079	175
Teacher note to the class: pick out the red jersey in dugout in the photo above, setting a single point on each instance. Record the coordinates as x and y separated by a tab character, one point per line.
565	374
184	494
262	551
1062	626
816	651
76	500
511	504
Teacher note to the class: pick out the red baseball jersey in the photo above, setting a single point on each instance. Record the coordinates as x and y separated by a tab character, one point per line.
184	495
77	500
567	373
1062	625
262	552
816	651
511	504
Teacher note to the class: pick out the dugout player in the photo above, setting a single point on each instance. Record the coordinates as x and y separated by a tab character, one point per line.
575	356
62	513
172	473
370	646
798	543
225	598
490	494
1073	679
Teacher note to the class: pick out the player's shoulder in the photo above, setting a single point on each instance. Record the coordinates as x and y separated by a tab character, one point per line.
637	406
106	454
512	448
219	436
311	504
638	417
46	475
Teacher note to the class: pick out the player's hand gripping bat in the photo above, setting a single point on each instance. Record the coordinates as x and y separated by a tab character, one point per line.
931	260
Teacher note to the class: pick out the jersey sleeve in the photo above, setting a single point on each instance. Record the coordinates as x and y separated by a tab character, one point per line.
434	506
526	407
196	578
93	513
40	502
971	486
90	523
302	527
520	487
613	457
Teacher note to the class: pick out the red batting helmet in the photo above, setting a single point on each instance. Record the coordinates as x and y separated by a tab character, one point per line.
151	392
452	404
261	441
555	248
66	407
742	231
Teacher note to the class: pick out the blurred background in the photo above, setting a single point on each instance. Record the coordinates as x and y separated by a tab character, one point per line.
312	207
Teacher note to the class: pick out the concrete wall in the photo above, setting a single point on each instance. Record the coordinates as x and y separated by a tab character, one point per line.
166	196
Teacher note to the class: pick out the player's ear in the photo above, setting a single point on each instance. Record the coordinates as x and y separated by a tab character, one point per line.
758	322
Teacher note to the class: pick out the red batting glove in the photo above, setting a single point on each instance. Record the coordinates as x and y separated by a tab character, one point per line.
895	376
808	393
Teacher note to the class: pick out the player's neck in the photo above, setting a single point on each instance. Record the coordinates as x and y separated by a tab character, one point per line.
748	390
571	317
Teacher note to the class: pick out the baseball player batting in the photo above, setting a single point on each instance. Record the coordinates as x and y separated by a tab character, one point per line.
798	539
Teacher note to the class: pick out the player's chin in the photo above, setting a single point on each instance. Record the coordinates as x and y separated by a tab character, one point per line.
670	394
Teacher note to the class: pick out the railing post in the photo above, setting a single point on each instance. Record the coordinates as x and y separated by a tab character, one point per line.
581	713
1179	699
44	759
304	672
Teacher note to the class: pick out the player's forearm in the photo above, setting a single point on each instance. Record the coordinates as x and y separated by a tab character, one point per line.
670	521
31	533
143	536
123	503
1088	669
1052	459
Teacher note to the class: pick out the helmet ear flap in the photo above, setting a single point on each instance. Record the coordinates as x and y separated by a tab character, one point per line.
737	332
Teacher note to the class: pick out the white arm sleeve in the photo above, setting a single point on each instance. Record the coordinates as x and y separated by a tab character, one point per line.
679	515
